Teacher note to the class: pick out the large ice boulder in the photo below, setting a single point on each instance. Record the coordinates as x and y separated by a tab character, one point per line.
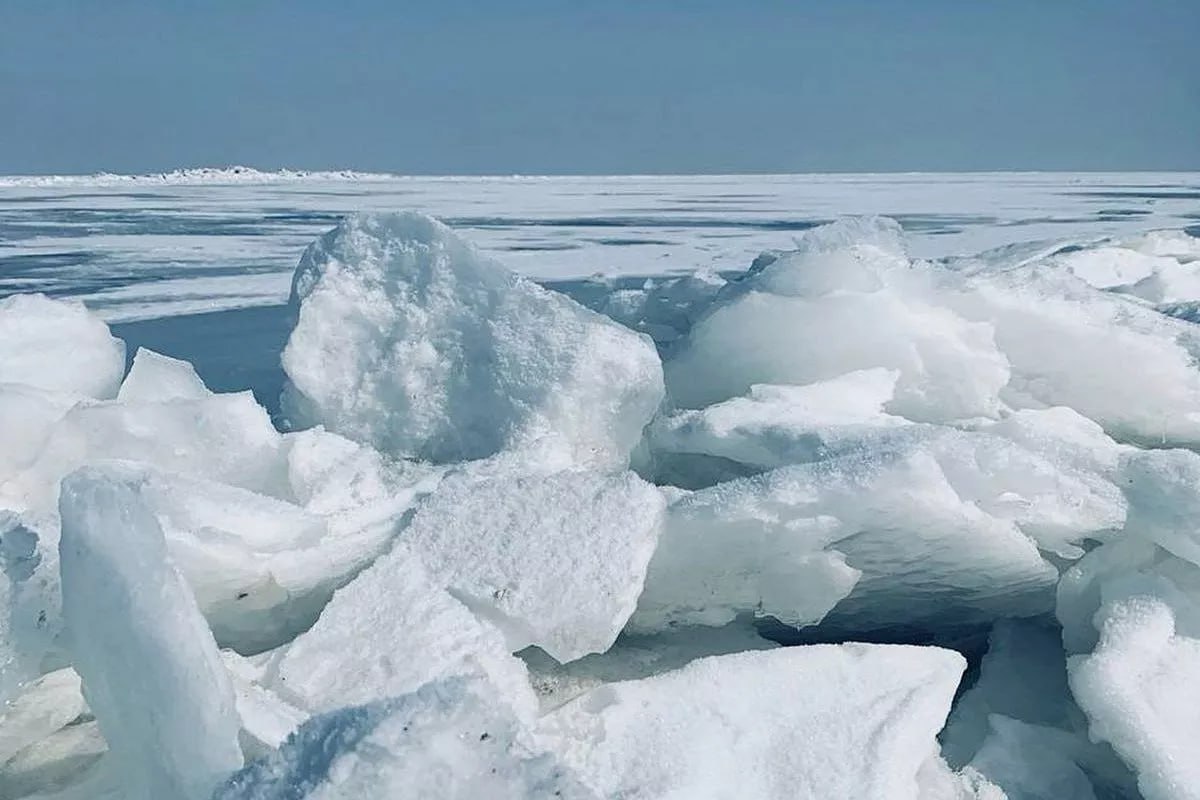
556	560
411	340
151	671
59	347
843	301
387	633
804	722
447	740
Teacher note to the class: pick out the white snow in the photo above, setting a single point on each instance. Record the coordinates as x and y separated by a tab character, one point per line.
797	723
409	339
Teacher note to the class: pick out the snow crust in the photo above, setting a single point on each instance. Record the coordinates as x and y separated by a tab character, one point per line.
877	710
507	546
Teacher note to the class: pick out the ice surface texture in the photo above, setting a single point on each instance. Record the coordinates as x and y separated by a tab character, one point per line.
848	444
410	340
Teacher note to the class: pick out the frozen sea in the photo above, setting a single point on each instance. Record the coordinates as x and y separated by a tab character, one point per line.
167	258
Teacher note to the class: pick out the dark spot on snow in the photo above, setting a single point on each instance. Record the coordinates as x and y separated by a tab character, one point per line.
242	595
483	737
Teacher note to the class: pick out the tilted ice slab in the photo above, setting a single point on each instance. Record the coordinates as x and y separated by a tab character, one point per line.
449	739
59	347
150	667
633	657
411	340
810	722
554	560
260	568
937	527
155	378
388	632
773	426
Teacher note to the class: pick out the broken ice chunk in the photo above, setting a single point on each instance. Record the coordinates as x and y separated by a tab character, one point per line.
409	339
57	346
449	739
811	722
151	671
155	378
553	560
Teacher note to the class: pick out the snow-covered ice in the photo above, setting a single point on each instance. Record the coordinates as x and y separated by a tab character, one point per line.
58	347
404	631
450	739
809	722
513	540
556	560
410	340
150	667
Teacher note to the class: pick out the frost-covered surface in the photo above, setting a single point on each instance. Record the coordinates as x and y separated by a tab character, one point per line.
410	340
994	453
556	561
747	725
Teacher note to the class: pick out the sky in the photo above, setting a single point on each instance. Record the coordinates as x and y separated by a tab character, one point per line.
575	86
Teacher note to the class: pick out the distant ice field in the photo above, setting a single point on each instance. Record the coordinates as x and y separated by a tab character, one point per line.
149	247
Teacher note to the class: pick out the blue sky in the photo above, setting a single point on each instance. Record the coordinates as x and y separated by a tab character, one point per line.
573	86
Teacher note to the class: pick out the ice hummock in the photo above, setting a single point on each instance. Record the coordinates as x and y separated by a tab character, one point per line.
409	339
991	453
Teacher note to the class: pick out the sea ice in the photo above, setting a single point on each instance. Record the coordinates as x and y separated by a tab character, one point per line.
928	532
556	560
155	378
821	721
800	320
59	347
449	739
409	339
150	668
388	632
